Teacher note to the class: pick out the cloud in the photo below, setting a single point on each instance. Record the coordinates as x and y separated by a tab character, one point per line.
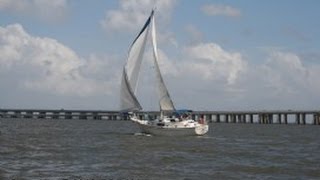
220	10
47	10
47	65
285	72
166	64
214	63
282	81
132	14
222	80
196	35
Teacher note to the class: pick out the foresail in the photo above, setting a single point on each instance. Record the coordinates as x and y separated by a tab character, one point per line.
129	101
131	71
165	101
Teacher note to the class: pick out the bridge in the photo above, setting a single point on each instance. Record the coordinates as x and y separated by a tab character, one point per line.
259	117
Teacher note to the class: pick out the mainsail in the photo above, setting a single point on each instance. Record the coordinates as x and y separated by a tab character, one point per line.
165	101
131	71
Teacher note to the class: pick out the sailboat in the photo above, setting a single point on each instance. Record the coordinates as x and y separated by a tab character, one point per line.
170	123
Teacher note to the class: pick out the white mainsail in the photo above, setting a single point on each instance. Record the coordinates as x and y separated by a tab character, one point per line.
131	71
165	101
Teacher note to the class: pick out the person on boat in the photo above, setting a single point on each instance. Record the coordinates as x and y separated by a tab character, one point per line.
201	120
184	117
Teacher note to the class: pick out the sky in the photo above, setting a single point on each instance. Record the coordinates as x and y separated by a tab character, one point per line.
214	55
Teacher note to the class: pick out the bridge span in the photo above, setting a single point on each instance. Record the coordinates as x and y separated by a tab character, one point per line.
259	117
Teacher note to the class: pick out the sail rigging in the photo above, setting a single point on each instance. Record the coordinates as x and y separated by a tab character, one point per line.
130	76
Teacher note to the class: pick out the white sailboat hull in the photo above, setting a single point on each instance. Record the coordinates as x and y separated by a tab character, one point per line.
172	129
158	131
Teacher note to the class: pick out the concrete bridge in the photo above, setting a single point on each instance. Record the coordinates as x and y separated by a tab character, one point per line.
259	117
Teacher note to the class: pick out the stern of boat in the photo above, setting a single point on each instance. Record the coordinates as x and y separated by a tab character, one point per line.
201	129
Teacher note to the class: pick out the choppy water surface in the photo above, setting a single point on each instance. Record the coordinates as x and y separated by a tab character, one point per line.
80	149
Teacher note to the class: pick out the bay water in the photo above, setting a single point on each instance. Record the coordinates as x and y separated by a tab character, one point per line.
102	149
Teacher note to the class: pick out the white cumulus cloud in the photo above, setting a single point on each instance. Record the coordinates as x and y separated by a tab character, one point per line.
285	73
283	80
132	14
214	63
46	64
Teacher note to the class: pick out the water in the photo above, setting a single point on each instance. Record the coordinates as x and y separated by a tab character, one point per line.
80	149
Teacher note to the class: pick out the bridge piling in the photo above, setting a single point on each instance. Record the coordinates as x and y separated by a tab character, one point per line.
285	118
218	118
227	118
303	118
316	119
251	118
279	118
297	118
